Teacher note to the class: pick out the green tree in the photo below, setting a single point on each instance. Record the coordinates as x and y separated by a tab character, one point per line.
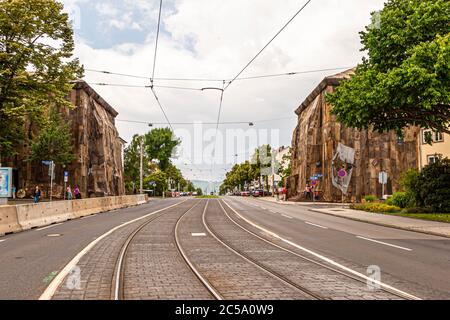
54	141
405	79
285	169
261	165
36	65
199	192
132	163
158	177
161	144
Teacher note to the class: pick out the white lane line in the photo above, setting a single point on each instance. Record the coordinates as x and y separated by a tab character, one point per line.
51	289
2	240
286	216
48	227
315	225
386	244
199	234
88	217
323	258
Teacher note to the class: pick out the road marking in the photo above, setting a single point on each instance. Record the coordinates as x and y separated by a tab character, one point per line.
328	260
48	227
199	234
315	225
51	289
386	244
55	235
88	217
286	216
2	240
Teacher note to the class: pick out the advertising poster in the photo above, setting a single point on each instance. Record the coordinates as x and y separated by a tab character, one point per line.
5	182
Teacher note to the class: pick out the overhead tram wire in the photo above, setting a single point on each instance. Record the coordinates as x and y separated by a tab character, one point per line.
152	87
249	63
157	40
271	40
143	86
263	76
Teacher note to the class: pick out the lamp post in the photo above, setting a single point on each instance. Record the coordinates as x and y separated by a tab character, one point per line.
141	175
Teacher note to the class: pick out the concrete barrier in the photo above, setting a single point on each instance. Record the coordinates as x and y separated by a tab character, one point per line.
44	214
28	216
8	220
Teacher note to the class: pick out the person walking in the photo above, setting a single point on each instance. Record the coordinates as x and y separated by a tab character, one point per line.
37	194
14	192
284	192
69	193
77	193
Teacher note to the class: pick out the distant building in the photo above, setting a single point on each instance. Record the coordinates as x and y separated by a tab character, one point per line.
439	148
279	155
98	168
319	136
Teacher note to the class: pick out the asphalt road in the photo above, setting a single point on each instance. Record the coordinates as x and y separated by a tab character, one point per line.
29	260
414	262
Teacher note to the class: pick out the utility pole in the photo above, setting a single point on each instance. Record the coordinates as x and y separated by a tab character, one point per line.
52	173
142	167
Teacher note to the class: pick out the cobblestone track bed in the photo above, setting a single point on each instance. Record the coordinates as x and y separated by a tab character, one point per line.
232	276
97	267
154	269
314	277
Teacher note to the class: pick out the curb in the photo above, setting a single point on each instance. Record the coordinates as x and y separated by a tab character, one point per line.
385	224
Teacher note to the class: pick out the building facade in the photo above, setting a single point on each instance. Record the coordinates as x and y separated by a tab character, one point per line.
279	163
316	140
98	168
439	148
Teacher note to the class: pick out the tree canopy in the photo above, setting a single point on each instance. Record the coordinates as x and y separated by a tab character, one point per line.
54	142
405	79
36	64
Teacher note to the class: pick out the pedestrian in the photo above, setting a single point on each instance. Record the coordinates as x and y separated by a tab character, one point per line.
277	192
37	194
69	193
14	192
284	192
77	193
307	192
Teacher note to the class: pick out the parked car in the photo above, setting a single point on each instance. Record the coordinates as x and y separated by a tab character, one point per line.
245	194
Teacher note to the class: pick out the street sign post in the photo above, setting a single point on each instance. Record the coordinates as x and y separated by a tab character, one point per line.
383	179
66	179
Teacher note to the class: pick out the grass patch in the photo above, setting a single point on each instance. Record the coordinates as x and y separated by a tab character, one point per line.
208	197
439	217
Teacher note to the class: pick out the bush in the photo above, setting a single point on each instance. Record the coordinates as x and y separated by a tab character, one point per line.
418	210
376	207
433	187
402	200
370	198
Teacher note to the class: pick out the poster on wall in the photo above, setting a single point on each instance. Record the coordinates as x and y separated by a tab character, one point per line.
5	182
342	167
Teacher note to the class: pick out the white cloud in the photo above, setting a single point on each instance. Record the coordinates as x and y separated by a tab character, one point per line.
225	35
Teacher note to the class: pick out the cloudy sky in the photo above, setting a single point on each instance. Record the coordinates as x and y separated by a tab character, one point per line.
214	39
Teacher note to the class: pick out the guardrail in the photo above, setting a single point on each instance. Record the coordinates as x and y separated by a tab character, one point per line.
28	216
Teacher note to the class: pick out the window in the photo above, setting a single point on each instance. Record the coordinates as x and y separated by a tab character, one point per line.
435	136
433	158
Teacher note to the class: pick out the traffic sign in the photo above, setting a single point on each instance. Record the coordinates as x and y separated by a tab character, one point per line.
66	176
314	183
383	177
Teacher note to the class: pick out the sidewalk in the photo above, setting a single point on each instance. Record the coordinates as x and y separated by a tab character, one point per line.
429	227
342	210
274	200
